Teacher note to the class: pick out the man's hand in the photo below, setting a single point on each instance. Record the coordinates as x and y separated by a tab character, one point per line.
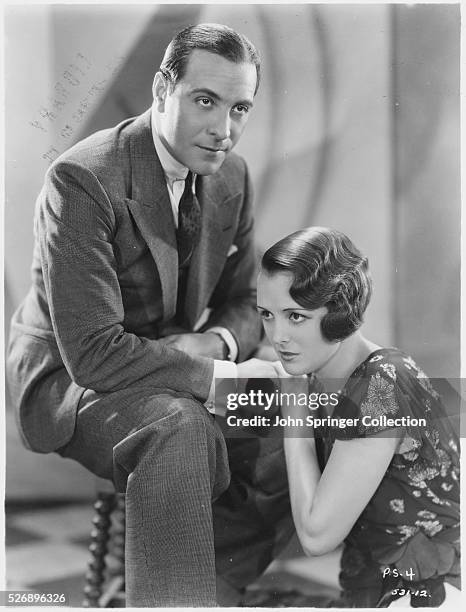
207	344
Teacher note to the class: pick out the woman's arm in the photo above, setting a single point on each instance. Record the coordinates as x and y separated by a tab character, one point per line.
325	507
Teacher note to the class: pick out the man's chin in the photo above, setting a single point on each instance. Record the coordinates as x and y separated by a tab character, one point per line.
207	164
208	169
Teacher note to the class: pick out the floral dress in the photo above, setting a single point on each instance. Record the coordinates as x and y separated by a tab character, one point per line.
407	538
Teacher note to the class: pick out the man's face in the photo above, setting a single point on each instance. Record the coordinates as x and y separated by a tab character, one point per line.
202	118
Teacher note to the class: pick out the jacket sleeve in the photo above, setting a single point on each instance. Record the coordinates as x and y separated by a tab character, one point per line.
233	301
76	226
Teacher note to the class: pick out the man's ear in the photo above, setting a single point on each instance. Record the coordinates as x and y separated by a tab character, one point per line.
160	91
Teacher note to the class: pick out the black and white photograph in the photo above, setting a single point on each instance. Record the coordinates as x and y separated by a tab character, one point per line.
232	305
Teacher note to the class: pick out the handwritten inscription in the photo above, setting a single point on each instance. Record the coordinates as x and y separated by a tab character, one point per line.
76	76
393	571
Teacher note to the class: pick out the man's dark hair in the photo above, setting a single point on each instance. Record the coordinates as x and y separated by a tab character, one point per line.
327	270
212	37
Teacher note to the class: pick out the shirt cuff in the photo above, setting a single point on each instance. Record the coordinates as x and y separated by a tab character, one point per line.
222	369
229	340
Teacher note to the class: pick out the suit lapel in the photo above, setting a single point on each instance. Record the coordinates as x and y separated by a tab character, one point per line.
151	209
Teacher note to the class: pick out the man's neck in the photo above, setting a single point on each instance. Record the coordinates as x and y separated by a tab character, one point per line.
172	167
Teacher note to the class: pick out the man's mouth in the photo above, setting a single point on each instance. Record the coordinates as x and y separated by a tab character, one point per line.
214	149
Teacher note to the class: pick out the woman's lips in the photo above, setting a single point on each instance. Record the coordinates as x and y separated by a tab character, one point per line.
287	355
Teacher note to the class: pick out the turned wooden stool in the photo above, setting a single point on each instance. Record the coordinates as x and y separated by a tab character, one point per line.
105	576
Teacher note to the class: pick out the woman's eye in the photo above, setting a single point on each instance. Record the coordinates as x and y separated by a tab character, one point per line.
296	317
264	314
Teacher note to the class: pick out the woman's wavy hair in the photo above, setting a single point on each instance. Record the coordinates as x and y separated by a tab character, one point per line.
328	270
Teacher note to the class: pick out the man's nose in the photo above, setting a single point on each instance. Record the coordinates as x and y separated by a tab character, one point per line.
220	127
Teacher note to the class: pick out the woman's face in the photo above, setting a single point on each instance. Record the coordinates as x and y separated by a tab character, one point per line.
293	331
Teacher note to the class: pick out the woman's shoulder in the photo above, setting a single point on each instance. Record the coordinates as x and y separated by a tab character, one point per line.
392	356
388	382
391	385
396	366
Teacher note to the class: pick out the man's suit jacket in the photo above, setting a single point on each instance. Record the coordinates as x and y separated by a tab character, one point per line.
105	275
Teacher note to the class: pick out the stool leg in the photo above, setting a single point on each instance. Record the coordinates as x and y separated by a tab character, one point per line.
98	548
114	593
118	536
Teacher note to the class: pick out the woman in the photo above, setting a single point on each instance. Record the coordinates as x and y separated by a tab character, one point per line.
390	494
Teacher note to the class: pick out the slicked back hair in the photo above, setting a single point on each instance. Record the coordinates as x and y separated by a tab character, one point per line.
212	37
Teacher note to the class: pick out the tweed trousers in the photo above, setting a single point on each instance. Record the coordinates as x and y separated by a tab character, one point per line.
205	513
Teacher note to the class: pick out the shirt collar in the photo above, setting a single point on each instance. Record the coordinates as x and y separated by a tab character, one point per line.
172	168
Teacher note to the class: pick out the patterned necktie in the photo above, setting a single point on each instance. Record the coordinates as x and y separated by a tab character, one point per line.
189	222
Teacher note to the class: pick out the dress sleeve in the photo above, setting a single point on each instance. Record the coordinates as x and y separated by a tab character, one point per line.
392	394
376	400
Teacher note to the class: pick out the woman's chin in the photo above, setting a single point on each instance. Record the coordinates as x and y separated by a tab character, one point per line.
294	369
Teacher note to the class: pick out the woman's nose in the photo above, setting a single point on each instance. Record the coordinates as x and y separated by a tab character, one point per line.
280	334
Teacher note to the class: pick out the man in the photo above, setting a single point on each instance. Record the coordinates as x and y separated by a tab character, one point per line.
139	229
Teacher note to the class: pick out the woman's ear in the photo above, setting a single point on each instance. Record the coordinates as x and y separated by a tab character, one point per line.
159	91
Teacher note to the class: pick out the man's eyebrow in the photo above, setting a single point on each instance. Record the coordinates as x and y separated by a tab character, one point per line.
248	103
215	96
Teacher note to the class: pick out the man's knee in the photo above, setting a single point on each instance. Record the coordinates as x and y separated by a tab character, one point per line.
176	434
172	417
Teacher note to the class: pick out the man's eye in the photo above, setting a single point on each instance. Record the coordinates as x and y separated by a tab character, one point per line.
296	317
241	109
205	101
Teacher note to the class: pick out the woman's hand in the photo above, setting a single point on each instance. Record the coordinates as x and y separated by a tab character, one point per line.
293	390
258	379
258	368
